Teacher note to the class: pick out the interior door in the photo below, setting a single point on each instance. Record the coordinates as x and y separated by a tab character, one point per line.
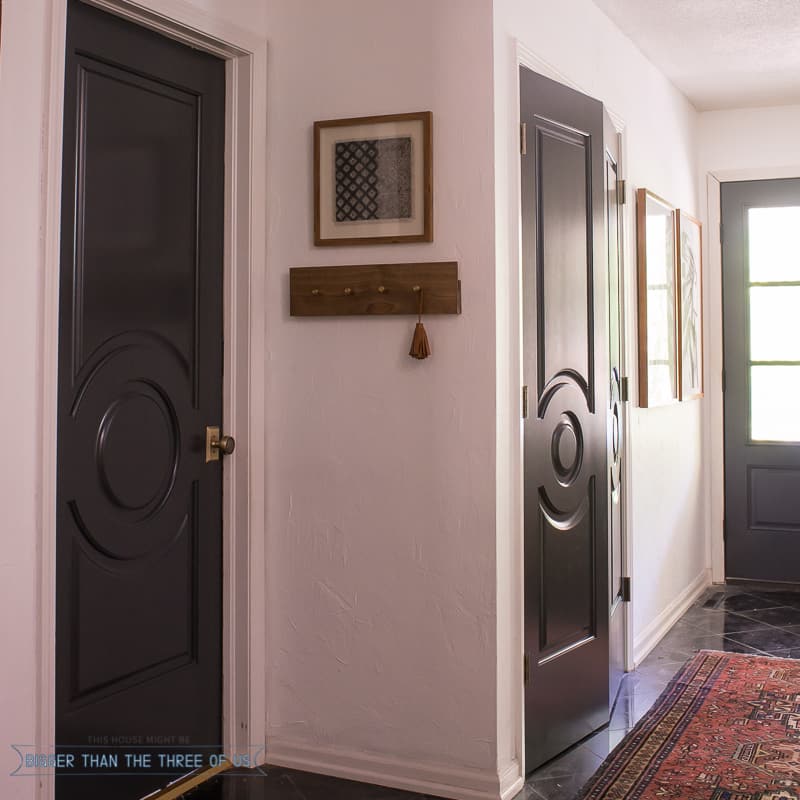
761	297
616	420
139	539
565	367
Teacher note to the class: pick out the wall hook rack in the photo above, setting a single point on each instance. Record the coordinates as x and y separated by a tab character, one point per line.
374	289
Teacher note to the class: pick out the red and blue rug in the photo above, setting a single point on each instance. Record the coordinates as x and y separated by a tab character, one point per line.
727	727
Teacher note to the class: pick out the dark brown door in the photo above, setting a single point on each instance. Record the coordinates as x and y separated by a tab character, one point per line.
761	297
565	364
138	632
616	420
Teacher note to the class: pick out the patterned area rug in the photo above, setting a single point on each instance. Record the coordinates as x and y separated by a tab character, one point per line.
726	728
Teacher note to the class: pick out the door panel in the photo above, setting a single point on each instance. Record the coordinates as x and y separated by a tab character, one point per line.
564	344
616	421
761	281
139	539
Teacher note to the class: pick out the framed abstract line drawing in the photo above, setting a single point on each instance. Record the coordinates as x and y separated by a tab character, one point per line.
689	243
657	300
373	180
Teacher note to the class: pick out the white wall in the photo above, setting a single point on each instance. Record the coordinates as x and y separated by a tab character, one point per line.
24	102
749	139
738	144
380	490
668	523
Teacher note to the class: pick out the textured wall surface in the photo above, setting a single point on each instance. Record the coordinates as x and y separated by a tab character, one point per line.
380	490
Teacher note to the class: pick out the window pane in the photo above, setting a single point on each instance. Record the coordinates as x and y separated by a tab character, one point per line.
773	404
774	244
775	323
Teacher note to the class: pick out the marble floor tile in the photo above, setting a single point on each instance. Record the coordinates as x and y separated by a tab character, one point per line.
748	602
778	617
769	639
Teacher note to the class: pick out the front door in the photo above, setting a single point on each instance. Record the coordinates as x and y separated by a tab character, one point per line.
565	368
139	539
761	298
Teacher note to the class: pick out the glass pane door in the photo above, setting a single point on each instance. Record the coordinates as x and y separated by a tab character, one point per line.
774	322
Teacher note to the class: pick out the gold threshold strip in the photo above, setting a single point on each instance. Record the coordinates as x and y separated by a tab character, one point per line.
193	779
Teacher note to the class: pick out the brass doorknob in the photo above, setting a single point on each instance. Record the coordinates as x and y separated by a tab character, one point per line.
216	444
226	445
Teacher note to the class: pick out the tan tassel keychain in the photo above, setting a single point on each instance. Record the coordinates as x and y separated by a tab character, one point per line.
420	346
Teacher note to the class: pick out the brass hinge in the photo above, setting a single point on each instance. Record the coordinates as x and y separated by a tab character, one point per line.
622	187
626	590
526	669
524	402
624	389
523	138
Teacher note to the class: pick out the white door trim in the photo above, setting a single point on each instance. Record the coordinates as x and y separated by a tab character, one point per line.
244	574
714	409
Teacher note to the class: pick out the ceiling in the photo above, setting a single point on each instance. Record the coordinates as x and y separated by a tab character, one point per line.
719	53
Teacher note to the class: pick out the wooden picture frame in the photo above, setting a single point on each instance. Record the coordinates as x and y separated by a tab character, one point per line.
373	180
689	250
657	300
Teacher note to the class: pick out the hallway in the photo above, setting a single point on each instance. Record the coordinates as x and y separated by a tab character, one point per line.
730	618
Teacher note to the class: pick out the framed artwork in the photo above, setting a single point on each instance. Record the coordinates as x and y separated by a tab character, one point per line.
373	180
657	300
689	242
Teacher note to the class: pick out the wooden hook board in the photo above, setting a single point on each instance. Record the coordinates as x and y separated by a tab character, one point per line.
375	289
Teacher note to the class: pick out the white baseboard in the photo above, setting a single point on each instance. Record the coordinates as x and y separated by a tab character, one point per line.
655	631
511	781
398	773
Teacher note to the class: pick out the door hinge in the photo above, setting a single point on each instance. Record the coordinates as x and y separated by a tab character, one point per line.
622	187
624	390
723	381
523	138
626	590
720	233
526	669
524	402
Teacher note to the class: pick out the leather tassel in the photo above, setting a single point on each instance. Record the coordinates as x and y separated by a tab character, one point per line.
420	346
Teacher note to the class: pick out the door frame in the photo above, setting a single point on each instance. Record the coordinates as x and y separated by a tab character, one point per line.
714	409
511	638
243	582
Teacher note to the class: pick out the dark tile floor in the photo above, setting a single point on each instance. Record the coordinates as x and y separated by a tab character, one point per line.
735	619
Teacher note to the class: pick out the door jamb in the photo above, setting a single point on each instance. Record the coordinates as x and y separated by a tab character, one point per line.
525	57
714	409
244	575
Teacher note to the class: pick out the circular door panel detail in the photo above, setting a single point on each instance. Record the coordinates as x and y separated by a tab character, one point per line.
126	432
615	422
566	449
137	449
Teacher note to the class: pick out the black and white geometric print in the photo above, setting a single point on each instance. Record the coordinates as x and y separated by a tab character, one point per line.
373	179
